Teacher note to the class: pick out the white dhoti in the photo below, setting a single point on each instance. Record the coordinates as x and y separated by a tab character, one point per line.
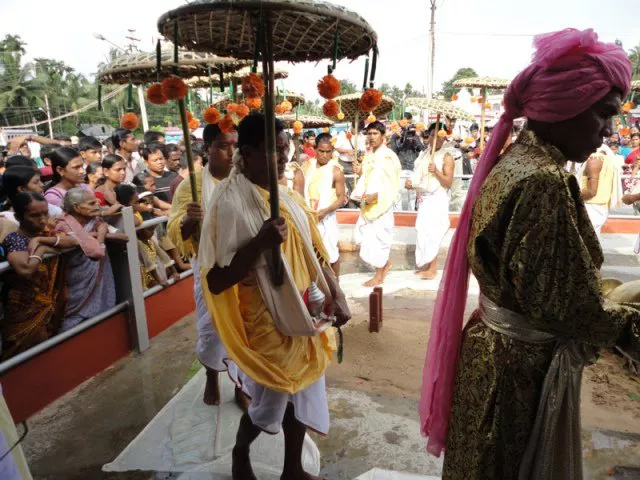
598	215
432	225
330	233
268	407
375	238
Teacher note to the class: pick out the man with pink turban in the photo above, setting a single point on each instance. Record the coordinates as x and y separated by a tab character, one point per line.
503	395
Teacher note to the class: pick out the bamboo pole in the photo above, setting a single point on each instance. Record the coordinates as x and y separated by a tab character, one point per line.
277	274
187	146
482	121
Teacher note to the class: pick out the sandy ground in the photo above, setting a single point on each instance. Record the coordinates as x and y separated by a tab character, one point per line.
390	363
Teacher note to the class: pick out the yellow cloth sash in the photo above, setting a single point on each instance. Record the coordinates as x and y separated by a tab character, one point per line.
605	182
380	174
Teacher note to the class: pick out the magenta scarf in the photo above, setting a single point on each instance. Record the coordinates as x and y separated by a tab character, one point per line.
571	70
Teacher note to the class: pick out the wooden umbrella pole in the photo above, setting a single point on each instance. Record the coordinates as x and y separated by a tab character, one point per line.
484	100
296	148
187	146
355	153
270	141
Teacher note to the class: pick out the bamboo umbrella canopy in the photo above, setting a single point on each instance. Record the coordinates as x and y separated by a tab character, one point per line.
295	98
141	67
309	121
214	80
440	107
482	82
351	108
273	30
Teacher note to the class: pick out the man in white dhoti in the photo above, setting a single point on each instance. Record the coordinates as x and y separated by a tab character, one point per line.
599	188
268	332
377	190
325	193
432	178
182	228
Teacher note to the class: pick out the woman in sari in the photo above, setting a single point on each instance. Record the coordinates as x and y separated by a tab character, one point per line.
22	179
89	278
113	169
68	172
36	298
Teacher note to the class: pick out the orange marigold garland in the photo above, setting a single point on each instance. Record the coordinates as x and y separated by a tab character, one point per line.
420	127
155	94
349	135
189	116
331	108
194	123
286	105
232	108
227	125
297	127
325	130
242	111
627	107
454	97
404	123
340	116
278	109
329	87
254	103
174	88
211	115
371	118
370	100
395	127
442	133
469	140
624	131
253	86
129	121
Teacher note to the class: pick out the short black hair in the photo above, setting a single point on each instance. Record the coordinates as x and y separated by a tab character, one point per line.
152	136
60	158
89	143
148	148
170	148
408	116
434	125
47	150
15	177
323	138
119	135
210	133
309	133
15	160
124	193
635	135
22	200
251	131
377	126
139	178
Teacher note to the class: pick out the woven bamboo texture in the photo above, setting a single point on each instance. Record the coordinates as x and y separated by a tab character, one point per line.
635	85
296	99
440	107
309	121
482	82
349	105
140	67
214	80
303	30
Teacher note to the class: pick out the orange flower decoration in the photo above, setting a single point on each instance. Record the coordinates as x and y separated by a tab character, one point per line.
349	135
252	86
334	140
480	100
331	108
325	130
174	88
627	107
404	122
254	103
287	106
487	105
242	111
189	116
454	97
370	100
297	127
279	109
625	131
227	124
129	121
329	87
473	99
211	115
371	118
155	95
232	108
468	140
194	123
420	127
340	116
395	126
442	133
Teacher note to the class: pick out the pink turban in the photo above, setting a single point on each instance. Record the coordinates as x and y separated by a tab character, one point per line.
571	70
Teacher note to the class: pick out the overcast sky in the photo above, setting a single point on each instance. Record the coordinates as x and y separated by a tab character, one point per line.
492	36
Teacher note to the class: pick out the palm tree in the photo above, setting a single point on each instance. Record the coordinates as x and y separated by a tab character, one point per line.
634	56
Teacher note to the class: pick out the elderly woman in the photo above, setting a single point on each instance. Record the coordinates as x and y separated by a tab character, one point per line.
35	302
90	284
525	233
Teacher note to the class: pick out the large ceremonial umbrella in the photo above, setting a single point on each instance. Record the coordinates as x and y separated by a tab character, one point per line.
231	79
309	121
483	83
295	98
303	30
140	68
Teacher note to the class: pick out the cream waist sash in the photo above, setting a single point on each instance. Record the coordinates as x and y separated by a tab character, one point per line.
554	450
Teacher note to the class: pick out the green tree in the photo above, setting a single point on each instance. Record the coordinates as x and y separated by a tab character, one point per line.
634	57
447	87
348	87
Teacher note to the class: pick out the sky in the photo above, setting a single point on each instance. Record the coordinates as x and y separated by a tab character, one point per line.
492	36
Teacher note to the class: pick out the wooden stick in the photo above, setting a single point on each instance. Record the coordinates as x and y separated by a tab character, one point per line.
277	273
187	146
484	100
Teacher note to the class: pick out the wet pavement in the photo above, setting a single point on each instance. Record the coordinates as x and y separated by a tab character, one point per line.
72	438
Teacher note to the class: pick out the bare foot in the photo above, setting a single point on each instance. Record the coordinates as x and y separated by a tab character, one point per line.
378	279
374	282
212	389
385	270
242	400
241	464
427	275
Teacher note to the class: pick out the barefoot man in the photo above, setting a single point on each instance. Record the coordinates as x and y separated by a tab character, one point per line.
284	374
325	194
376	191
432	178
182	228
